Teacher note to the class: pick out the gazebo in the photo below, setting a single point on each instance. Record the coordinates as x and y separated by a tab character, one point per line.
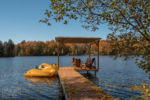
85	40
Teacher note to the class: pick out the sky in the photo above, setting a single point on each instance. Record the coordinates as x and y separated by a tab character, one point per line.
19	20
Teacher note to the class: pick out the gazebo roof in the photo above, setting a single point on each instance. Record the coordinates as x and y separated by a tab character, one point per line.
76	39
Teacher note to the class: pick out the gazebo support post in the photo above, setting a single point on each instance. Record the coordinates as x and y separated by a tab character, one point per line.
95	73
89	50
87	72
85	40
98	56
58	55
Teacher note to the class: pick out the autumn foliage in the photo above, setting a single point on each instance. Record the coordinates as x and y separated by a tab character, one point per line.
49	48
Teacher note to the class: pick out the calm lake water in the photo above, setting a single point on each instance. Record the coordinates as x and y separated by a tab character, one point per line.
114	76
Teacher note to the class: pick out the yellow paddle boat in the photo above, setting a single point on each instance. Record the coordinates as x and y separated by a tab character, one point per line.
44	70
47	66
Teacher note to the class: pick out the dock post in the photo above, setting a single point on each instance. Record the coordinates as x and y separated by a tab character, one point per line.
95	73
58	59
98	56
89	50
58	55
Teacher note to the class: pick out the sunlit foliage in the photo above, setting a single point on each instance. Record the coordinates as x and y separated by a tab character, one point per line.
49	48
129	21
144	89
107	47
123	16
131	44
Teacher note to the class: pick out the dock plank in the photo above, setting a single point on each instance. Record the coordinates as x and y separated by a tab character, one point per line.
77	87
84	69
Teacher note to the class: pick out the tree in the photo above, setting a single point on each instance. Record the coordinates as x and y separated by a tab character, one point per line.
128	19
124	16
5	49
10	48
17	50
1	49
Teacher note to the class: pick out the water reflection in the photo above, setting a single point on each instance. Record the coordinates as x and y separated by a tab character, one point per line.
144	89
121	90
114	76
41	80
14	86
45	88
90	76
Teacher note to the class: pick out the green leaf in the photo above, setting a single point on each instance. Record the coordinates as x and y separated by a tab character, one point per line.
65	22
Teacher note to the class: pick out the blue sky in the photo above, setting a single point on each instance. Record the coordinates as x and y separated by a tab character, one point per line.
19	20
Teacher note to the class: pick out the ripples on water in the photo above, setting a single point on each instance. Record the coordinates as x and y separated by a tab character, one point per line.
114	76
14	86
33	88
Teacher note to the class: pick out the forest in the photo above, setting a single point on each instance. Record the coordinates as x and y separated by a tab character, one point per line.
49	48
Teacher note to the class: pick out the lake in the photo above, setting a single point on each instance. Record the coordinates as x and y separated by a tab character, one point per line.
114	76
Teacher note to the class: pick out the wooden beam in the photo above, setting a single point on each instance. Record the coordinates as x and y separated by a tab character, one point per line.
98	57
77	87
84	69
86	40
89	47
58	54
76	39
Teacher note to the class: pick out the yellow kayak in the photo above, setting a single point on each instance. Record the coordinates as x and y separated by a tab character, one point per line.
44	70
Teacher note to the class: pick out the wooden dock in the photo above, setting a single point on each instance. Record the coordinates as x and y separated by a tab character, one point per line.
84	69
77	87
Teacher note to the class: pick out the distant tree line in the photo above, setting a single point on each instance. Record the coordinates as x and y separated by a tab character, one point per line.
7	49
49	48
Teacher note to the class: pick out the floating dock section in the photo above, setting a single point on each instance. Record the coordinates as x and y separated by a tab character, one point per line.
77	87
